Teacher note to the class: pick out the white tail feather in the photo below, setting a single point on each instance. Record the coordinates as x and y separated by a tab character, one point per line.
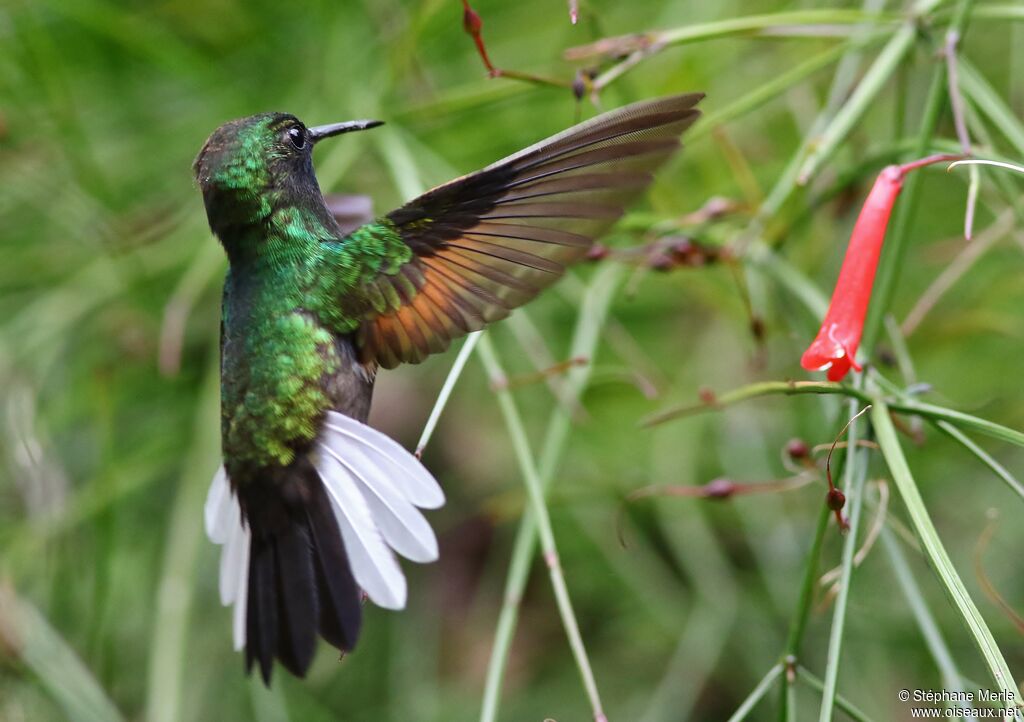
218	508
374	486
402	525
404	469
223	518
230	559
373	565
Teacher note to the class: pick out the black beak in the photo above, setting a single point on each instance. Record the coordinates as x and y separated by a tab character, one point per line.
326	131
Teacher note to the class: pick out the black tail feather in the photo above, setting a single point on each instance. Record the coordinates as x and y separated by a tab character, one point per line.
300	583
341	610
298	596
261	622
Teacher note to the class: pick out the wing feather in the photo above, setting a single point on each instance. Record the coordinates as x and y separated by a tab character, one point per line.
490	241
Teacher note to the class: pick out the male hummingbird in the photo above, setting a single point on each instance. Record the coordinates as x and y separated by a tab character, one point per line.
310	502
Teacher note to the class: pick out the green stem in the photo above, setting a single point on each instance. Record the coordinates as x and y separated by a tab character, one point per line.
803	610
990	12
863	97
749	25
594	305
806	291
984	96
760	23
786	186
535	491
936	553
789	699
796	388
446	390
798	625
945	426
998	469
757	694
856	473
522	557
884	67
777	85
842	703
939	413
751	391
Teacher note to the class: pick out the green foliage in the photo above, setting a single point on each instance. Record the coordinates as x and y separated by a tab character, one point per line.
109	300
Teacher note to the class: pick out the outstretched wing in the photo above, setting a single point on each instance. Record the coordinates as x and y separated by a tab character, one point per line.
483	244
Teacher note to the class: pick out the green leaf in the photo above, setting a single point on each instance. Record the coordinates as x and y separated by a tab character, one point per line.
61	673
977	88
936	553
998	469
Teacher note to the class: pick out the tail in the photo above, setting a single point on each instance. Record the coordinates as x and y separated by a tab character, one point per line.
313	536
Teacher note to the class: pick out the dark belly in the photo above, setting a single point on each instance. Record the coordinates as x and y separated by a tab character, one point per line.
350	390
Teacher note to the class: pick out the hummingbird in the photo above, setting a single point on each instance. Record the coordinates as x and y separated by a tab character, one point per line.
311	504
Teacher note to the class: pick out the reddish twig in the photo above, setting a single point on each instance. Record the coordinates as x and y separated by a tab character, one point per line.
714	208
512	382
473	24
844	445
719	489
836	499
956	101
831	577
666	253
722	488
956	105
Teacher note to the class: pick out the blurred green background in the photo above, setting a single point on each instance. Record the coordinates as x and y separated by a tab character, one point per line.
109	312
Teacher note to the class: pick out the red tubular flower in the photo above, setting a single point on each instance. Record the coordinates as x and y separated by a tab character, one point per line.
835	348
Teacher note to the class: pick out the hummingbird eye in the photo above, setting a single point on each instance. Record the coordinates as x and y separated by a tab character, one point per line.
297	136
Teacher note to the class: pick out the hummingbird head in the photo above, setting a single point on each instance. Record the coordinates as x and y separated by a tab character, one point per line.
250	166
